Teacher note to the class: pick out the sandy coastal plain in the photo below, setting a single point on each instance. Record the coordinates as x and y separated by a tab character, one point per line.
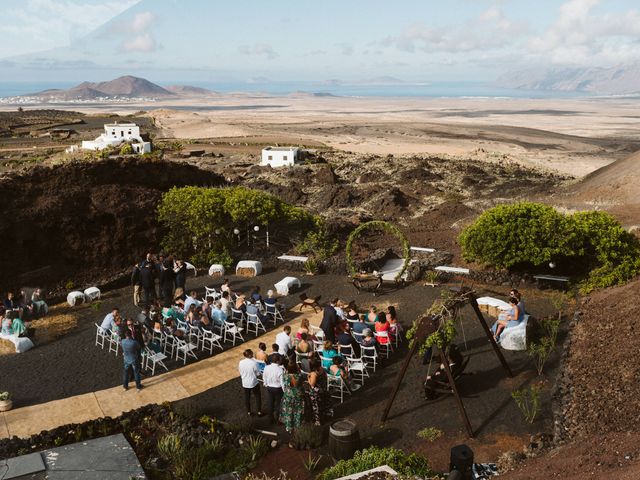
572	136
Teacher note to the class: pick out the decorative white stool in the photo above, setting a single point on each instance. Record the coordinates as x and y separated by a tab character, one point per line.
286	284
249	268
91	294
75	297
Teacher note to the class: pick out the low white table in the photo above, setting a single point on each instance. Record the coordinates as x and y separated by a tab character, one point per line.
250	265
284	285
293	258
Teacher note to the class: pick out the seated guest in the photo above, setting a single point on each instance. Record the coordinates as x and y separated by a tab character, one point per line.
328	352
225	286
37	298
339	369
369	339
170	328
144	317
507	319
6	323
372	316
255	294
225	304
352	313
109	323
283	339
206	308
347	343
218	316
521	310
202	321
271	299
11	303
304	328
339	306
360	326
303	345
382	325
392	318
252	308
191	300
240	304
192	315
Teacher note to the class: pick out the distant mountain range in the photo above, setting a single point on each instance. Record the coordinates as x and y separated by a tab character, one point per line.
121	87
620	80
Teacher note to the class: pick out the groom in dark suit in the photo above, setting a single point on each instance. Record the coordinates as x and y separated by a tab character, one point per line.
329	321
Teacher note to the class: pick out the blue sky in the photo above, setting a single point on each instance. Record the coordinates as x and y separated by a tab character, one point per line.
349	40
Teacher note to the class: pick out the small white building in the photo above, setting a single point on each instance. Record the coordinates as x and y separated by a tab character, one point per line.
116	134
279	156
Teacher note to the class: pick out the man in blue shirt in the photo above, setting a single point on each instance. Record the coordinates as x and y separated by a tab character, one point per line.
131	351
109	322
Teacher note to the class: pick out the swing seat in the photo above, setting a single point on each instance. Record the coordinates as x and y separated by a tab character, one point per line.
443	388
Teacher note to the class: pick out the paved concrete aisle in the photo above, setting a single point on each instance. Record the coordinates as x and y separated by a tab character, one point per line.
167	387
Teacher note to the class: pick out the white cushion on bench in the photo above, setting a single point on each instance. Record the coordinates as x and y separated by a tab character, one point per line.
293	258
515	338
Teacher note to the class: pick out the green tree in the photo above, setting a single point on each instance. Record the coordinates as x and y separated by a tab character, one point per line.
126	149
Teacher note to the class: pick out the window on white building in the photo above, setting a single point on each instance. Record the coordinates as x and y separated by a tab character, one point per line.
270	157
284	157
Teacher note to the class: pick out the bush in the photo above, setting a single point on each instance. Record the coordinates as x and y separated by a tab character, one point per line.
410	465
308	436
199	222
528	233
528	401
126	149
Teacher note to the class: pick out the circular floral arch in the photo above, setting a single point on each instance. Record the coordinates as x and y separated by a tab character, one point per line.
378	225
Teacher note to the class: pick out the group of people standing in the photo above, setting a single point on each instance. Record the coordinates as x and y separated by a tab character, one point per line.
162	278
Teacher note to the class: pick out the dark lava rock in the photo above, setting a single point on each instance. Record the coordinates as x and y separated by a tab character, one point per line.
326	176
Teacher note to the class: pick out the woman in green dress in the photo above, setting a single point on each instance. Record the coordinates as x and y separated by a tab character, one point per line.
292	406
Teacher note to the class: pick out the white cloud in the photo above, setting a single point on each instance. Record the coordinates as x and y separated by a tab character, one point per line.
581	36
41	24
490	30
140	43
259	49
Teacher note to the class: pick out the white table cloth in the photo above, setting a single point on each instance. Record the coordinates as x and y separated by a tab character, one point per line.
216	268
92	293
74	298
286	284
250	264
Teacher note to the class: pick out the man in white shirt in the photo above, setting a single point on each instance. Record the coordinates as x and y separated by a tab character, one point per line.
249	372
283	340
225	304
272	379
109	322
191	300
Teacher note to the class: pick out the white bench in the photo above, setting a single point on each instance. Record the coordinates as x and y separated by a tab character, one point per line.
422	249
464	271
553	278
293	258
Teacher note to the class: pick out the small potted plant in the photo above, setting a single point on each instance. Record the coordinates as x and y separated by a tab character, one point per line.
5	401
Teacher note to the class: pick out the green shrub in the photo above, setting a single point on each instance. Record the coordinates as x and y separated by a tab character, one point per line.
126	149
410	465
528	401
528	233
308	435
318	243
199	222
430	434
540	353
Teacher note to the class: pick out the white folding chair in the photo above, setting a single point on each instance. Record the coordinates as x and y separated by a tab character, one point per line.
114	342
396	334
101	336
385	343
318	346
210	340
155	359
212	293
358	369
237	316
254	320
358	336
195	333
346	351
369	355
233	331
185	349
337	388
301	356
170	345
274	314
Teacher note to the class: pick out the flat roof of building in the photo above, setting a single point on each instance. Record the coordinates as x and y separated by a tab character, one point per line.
281	149
125	125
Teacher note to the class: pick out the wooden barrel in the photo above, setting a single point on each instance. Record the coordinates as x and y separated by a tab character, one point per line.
344	439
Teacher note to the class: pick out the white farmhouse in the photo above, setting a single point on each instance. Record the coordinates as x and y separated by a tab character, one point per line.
279	156
116	134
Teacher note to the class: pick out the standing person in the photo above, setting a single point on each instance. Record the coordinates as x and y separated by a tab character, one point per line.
272	377
131	352
135	282
283	339
180	271
166	282
292	407
249	372
318	394
147	281
329	320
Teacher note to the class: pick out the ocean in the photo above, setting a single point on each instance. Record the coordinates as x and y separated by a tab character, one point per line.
434	90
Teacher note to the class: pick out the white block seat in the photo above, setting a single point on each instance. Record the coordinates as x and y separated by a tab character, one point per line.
216	270
244	266
287	284
75	298
91	294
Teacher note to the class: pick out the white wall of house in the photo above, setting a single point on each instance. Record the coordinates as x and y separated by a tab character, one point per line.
117	133
279	156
